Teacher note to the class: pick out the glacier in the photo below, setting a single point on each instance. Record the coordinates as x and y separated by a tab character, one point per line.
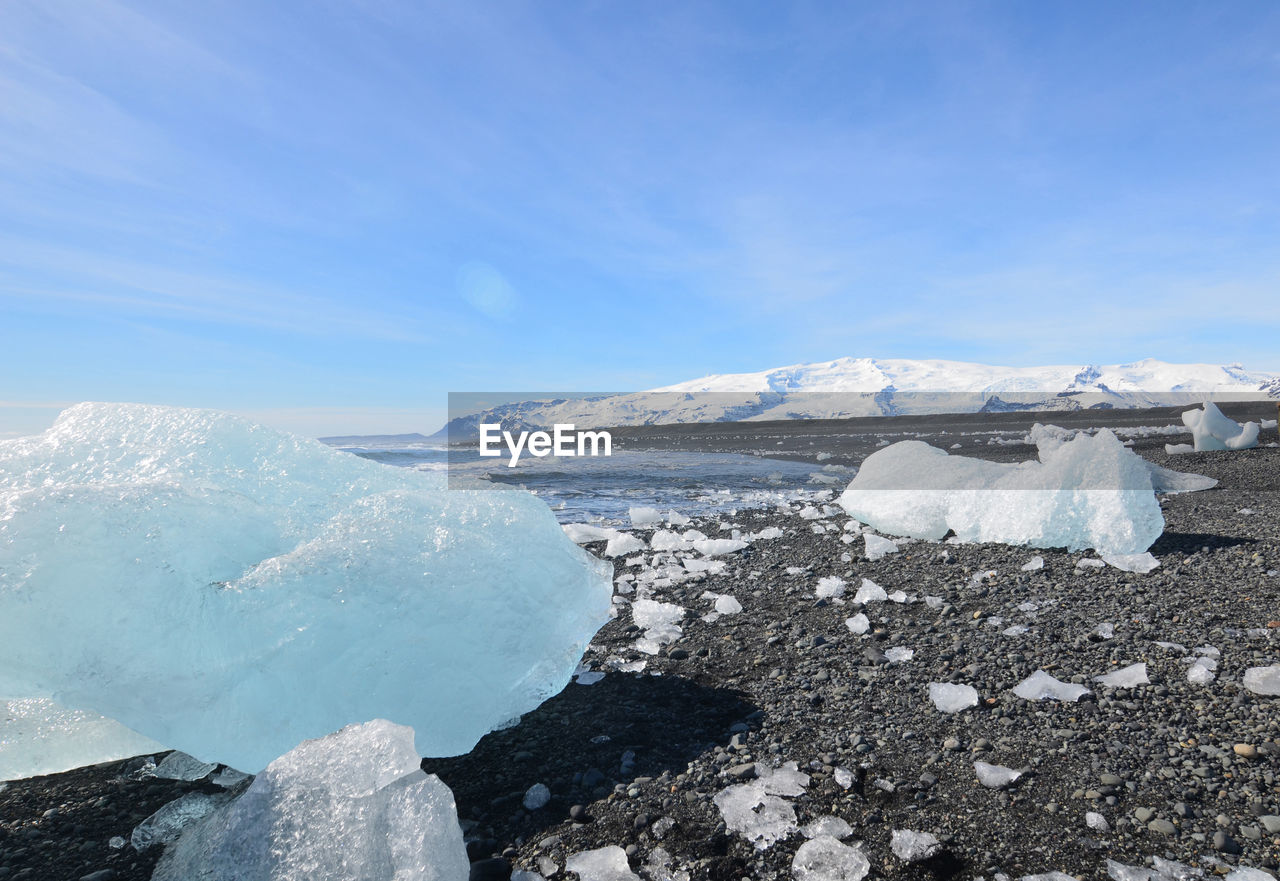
352	804
230	590
1087	492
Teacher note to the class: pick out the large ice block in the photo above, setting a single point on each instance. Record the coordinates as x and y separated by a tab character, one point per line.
1088	492
230	590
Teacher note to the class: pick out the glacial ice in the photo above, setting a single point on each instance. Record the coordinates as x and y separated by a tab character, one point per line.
909	845
166	824
237	589
1096	821
1263	680
870	592
878	546
40	736
608	863
755	809
1211	429
829	587
660	622
1127	677
836	827
951	698
642	517
899	654
995	776
826	859
859	623
353	804
180	766
1041	686
1139	563
621	545
1089	492
1035	563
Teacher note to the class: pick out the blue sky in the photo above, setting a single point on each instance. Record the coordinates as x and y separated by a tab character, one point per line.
330	214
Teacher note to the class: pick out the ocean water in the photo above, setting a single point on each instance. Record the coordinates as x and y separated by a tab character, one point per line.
602	489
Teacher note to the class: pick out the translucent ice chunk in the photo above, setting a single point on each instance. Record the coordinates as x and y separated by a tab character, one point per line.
180	766
1140	563
624	544
951	698
899	654
1041	686
166	824
910	846
354	804
642	516
830	586
878	547
995	776
870	592
236	589
836	827
1211	429
1127	677
727	605
826	859
859	623
40	736
1089	492
1036	562
1096	821
1263	680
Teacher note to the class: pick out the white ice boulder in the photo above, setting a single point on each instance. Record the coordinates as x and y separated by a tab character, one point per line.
1211	429
827	859
1089	492
353	804
1041	686
949	697
236	590
1263	680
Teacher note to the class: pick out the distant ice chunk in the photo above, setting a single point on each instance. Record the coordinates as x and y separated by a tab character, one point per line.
1248	873
1118	871
769	532
727	605
826	859
1096	821
1201	671
1166	480
757	811
1089	492
859	623
1140	563
607	863
878	547
1211	429
995	776
1171	870
952	698
585	533
180	766
715	547
829	587
1041	686
843	777
1178	449
1036	562
236	589
1049	876
1128	677
870	592
660	622
899	654
624	544
642	517
353	804
1263	680
40	736
836	827
910	846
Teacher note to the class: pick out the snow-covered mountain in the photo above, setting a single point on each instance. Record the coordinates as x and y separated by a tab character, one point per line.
849	387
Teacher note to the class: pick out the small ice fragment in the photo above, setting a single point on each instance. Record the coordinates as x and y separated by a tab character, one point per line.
1172	646
675	518
785	780
859	623
825	859
1041	686
1049	876
1124	872
843	777
714	547
1036	562
898	596
995	776
933	602
116	843
1171	870
588	677
624	544
1128	677
1178	449
607	863
830	586
952	698
537	795
870	592
797	570
878	547
1140	563
229	778
1248	873
1263	680
585	533
1096	821
1200	673
756	815
180	766
898	654
1105	630
835	827
727	605
1015	630
910	846
642	517
1090	563
166	824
